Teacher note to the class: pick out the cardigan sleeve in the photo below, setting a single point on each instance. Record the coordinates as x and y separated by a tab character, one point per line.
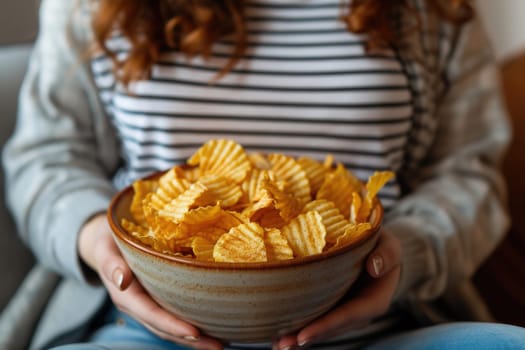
455	213
59	160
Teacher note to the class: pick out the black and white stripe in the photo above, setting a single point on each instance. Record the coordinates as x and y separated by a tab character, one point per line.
305	86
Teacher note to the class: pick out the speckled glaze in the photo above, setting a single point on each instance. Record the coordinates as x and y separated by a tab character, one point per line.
243	302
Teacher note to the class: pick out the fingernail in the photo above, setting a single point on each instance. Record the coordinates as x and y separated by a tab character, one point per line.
190	338
377	264
303	343
118	277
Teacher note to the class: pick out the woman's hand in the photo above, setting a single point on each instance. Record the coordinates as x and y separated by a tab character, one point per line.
384	266
99	251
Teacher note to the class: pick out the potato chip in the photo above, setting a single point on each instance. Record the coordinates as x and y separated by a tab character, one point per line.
287	169
315	172
202	248
150	210
373	185
141	188
244	243
254	184
191	174
259	161
178	207
165	228
338	187
288	205
333	220
219	190
209	222
328	161
254	210
202	215
277	247
153	202
172	184
134	229
187	232
352	234
306	234
222	157
147	237
376	182
229	219
357	202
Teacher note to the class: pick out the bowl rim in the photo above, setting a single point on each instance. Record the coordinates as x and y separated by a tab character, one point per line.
121	234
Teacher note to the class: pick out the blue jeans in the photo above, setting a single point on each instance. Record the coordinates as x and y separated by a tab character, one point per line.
121	332
456	336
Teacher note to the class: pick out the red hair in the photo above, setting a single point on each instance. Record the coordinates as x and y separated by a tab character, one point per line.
193	26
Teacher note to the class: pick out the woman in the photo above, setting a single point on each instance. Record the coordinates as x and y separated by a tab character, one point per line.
399	85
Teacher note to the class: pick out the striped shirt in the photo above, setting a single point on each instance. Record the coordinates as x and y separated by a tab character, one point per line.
304	86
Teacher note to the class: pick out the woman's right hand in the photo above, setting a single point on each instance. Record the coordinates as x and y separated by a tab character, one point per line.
99	251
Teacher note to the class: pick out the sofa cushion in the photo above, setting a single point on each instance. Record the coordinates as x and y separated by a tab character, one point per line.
15	259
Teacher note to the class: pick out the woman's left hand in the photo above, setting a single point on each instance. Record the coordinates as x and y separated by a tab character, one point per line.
384	266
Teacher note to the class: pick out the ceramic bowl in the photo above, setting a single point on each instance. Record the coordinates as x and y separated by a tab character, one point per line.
240	302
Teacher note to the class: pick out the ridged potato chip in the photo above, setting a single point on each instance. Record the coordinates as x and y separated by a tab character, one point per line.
306	234
202	248
355	208
373	185
172	184
288	205
202	216
352	234
315	172
191	174
178	207
287	169
259	161
141	189
277	247
253	185
219	190
244	243
338	188
254	210
334	222
147	237
222	157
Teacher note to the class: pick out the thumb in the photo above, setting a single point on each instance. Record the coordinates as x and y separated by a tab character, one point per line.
100	252
385	257
113	266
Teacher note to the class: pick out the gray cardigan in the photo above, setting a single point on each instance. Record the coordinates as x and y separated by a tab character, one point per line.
63	152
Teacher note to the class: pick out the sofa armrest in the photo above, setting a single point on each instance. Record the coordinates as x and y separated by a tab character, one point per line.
15	259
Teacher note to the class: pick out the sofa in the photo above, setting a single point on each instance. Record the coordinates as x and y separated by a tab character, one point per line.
15	260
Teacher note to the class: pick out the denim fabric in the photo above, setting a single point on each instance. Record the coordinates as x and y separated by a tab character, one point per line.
457	336
121	332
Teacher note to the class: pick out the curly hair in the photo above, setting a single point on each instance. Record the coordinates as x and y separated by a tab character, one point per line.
193	26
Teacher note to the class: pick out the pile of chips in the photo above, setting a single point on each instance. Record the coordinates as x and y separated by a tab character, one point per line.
226	205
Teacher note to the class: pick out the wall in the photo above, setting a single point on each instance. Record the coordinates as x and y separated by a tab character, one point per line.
505	23
18	21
